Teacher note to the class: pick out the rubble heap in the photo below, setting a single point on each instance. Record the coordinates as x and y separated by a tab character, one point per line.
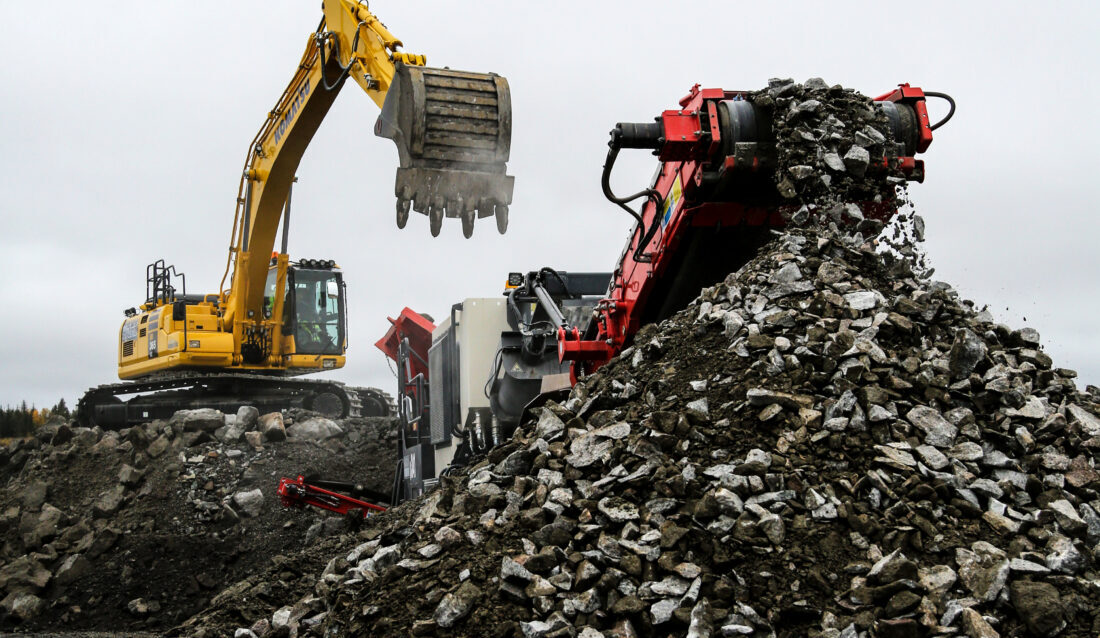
830	143
138	529
813	448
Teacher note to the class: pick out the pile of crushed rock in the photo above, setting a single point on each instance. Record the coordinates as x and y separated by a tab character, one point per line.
815	447
140	528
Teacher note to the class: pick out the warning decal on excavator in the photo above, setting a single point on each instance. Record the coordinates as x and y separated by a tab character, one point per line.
674	195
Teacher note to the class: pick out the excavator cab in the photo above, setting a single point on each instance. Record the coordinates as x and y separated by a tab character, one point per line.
314	307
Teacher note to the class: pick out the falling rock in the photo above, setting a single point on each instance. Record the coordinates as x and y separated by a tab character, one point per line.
456	605
1039	606
158	446
937	430
314	429
34	495
700	626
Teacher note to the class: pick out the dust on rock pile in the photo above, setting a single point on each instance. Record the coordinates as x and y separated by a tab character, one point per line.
139	529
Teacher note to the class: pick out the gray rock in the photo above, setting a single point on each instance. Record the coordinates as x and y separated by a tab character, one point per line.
966	352
833	161
618	509
976	626
1088	421
966	451
25	606
698	408
71	569
24	574
247	417
984	571
938	432
856	160
249	503
1064	556
314	429
786	274
1067	517
109	502
201	420
937	578
549	425
129	476
863	299
932	457
662	610
34	495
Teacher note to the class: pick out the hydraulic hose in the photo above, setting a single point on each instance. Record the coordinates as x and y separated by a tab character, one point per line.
950	113
650	194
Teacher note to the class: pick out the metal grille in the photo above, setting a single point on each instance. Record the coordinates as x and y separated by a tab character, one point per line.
142	333
128	348
437	395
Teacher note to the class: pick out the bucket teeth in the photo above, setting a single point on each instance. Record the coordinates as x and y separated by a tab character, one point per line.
453	134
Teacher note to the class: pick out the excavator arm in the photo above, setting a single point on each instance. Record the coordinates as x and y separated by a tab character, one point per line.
452	130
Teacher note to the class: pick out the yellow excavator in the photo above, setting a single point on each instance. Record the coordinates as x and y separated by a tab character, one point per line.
249	343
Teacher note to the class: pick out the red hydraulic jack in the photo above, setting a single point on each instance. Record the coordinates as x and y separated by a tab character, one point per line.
299	493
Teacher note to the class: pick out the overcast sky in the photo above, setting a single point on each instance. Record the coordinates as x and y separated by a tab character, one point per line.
124	127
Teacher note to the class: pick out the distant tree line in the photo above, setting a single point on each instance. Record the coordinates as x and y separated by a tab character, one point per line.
21	421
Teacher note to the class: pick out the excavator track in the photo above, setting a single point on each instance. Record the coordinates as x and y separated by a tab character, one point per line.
160	398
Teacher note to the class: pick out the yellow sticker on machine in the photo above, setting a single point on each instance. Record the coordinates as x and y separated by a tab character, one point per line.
673	199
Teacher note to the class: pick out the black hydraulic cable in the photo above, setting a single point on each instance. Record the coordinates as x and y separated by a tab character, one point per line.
344	70
546	270
950	113
650	194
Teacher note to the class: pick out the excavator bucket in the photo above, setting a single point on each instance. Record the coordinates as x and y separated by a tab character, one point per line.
453	131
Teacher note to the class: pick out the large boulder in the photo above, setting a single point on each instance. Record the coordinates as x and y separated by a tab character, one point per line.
272	427
314	429
203	419
247	416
